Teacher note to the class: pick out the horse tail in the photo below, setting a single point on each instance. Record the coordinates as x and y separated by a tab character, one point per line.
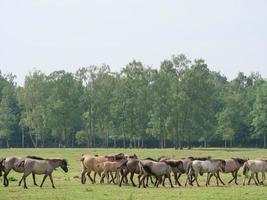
82	158
35	157
189	168
245	168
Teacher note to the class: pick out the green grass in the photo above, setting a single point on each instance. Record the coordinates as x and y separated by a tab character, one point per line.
68	187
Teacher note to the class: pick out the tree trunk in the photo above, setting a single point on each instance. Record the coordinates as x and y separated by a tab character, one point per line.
124	143
264	141
114	143
32	139
22	138
205	143
7	144
225	143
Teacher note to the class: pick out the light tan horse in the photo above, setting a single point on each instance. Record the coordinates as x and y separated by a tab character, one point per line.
211	167
45	167
91	164
255	166
109	167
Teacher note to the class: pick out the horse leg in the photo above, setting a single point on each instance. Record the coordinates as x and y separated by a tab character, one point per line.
245	177
51	179
131	178
43	180
142	181
159	181
20	181
113	177
236	177
255	181
102	177
196	175
83	178
6	181
34	180
163	181
218	174
24	180
263	177
208	178
177	179
233	174
169	177
89	176
147	177
257	178
139	179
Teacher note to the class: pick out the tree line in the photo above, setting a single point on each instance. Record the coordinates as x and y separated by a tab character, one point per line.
181	104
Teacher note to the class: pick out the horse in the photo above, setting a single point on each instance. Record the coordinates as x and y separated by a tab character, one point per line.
255	166
186	162
232	166
45	167
89	164
158	169
12	162
130	166
109	167
212	167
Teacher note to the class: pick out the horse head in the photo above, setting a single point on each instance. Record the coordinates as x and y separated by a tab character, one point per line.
64	165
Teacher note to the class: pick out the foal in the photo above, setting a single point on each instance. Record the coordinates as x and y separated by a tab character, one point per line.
45	167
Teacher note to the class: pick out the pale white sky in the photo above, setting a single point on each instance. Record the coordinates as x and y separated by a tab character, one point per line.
231	35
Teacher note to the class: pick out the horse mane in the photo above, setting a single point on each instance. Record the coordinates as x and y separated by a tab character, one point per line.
148	158
240	160
200	158
35	157
58	159
163	157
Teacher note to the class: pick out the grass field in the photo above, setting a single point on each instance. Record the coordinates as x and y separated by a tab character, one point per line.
68	187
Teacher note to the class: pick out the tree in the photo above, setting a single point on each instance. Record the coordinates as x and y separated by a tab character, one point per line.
64	107
259	114
33	101
9	113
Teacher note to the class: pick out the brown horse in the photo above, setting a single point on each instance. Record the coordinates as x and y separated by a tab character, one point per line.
159	170
233	165
45	167
131	166
13	162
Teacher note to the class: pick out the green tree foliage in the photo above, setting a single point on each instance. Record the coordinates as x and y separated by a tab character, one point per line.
259	114
180	104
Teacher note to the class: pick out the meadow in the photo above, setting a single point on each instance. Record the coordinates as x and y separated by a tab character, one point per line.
68	185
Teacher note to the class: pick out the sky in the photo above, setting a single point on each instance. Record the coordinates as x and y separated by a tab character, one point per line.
230	35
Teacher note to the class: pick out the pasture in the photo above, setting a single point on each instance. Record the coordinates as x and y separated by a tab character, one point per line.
68	185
